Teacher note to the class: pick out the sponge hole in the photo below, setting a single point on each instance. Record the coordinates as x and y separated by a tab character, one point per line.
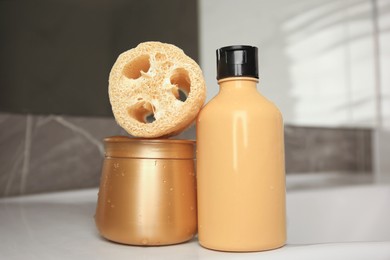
133	69
182	82
150	118
143	112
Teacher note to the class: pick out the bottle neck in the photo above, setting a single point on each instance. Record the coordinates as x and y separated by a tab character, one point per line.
241	84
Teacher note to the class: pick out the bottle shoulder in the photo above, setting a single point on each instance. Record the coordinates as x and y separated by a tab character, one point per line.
255	104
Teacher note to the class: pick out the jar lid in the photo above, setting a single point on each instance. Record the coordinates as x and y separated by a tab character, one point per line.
122	146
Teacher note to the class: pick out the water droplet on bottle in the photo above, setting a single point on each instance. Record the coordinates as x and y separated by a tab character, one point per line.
108	201
192	208
272	187
155	163
164	181
123	174
112	206
171	189
145	241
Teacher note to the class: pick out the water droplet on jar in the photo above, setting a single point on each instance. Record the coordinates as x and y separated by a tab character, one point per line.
171	189
145	241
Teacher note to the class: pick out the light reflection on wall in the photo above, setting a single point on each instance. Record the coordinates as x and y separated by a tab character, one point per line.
318	58
384	62
331	52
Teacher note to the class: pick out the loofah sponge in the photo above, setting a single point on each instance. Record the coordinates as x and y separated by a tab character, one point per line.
155	90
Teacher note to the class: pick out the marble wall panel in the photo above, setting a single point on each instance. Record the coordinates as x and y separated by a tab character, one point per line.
50	153
313	149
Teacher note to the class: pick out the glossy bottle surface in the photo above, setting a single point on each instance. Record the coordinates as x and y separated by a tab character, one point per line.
147	192
240	170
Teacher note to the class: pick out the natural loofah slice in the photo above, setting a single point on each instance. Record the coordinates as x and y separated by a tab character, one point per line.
155	90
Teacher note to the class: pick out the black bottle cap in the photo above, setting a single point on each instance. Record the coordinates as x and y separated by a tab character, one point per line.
237	61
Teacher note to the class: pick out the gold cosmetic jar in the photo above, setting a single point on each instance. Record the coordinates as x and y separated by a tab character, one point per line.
147	193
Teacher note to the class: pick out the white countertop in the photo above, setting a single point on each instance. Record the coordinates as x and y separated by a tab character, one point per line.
61	226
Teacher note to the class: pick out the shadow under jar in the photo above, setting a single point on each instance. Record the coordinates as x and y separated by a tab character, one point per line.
147	193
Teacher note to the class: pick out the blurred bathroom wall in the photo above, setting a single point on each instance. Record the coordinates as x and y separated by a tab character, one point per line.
56	54
317	57
55	59
324	63
382	131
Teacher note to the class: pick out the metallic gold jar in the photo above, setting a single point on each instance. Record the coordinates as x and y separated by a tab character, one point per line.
147	192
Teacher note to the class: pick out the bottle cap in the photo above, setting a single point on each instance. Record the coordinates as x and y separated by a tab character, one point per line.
237	61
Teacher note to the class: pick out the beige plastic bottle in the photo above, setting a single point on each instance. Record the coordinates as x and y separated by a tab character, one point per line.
240	161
